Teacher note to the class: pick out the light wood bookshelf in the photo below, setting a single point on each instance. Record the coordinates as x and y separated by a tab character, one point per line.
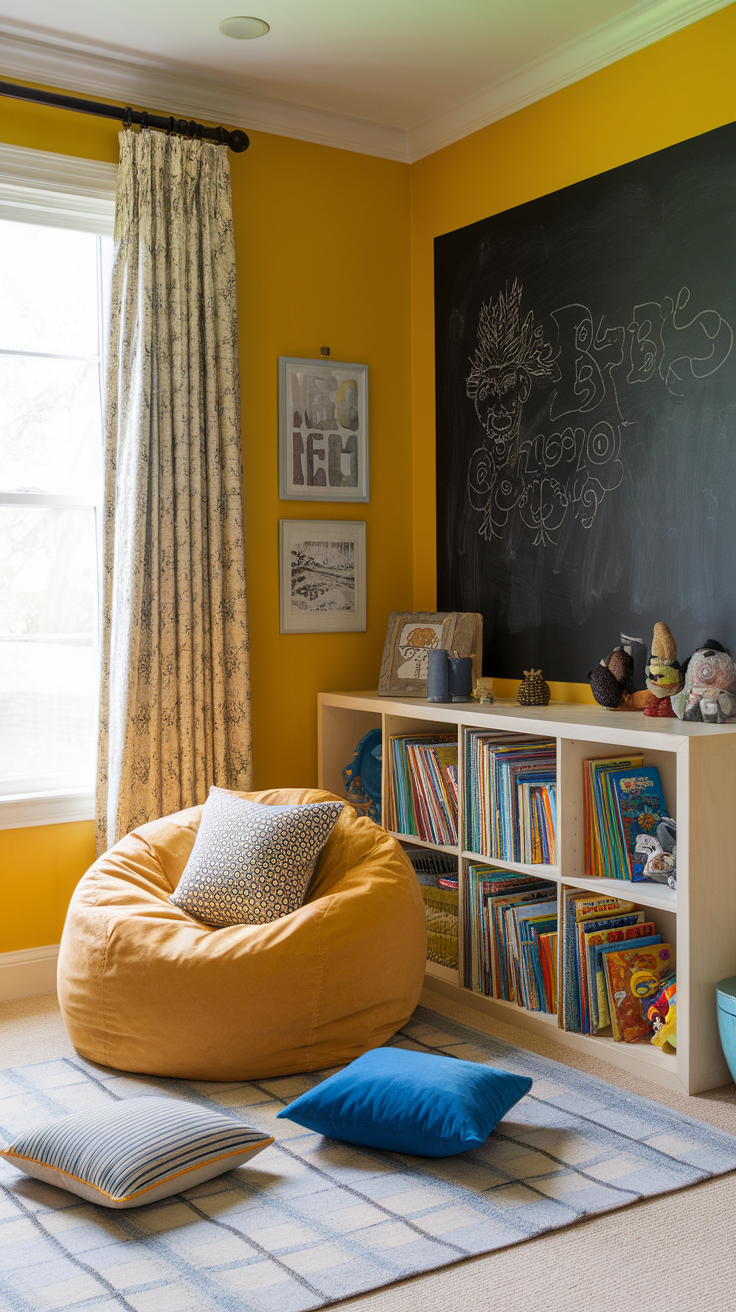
697	764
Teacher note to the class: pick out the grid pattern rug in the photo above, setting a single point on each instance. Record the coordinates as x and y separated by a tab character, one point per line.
314	1221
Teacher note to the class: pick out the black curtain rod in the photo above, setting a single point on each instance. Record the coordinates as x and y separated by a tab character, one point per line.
237	140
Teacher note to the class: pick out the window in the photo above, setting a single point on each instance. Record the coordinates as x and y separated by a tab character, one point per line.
53	281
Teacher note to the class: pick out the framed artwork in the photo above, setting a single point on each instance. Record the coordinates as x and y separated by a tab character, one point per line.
323	430
322	569
411	635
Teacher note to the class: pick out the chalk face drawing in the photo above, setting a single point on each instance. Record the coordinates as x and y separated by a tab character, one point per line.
543	479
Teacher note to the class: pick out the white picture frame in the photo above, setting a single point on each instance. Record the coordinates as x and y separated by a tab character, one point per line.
322	573
323	430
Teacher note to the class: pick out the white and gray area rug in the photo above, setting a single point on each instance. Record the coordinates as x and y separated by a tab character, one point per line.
314	1221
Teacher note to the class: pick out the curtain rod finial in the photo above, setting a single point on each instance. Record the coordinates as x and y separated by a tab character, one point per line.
238	140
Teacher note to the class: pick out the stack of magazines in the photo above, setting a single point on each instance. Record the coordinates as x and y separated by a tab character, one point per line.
423	786
512	797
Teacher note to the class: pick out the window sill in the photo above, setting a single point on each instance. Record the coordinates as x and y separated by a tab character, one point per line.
23	810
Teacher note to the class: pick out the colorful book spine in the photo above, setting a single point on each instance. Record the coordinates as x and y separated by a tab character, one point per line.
423	799
578	907
512	810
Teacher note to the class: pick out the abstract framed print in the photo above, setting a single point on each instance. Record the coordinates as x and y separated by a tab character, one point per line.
323	430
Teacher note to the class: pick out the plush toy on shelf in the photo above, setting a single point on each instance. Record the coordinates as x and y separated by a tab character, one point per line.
662	1016
656	864
709	694
664	676
612	682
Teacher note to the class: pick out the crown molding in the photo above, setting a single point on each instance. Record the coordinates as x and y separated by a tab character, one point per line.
82	67
598	48
177	91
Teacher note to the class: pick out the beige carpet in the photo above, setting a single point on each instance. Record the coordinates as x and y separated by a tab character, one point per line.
676	1250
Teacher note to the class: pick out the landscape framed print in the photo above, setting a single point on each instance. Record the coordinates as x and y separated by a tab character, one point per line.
323	430
322	575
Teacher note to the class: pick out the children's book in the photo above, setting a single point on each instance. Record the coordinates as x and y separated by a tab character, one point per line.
419	794
615	932
640	805
596	808
578	907
600	954
536	982
585	929
628	972
511	782
519	944
484	881
548	960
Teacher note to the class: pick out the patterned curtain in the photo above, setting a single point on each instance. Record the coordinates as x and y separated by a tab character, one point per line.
175	690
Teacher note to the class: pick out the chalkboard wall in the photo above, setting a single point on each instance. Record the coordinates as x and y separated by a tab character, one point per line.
586	413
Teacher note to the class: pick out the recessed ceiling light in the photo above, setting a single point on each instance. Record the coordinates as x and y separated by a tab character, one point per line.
244	29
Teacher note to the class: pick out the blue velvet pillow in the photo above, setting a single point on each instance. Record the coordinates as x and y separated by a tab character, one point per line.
410	1102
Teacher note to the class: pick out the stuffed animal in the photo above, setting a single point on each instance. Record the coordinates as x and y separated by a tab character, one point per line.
612	682
659	866
709	694
664	677
662	1016
612	679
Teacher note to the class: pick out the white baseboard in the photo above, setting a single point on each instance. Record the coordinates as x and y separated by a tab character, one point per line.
28	973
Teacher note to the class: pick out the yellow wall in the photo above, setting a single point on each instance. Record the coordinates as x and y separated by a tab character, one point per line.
322	240
39	869
326	241
322	248
671	91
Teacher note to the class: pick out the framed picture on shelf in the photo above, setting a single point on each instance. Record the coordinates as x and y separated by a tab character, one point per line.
322	575
323	430
411	635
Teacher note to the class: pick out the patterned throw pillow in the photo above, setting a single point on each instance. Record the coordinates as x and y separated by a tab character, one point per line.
135	1151
252	863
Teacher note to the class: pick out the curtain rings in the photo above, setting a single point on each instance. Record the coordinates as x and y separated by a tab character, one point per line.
144	119
172	125
128	117
222	136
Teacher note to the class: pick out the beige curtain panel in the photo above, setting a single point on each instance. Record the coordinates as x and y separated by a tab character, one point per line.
175	689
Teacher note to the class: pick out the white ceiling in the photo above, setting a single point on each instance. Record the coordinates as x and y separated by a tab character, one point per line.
392	77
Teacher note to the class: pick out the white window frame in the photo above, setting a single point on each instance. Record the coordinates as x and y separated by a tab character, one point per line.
60	191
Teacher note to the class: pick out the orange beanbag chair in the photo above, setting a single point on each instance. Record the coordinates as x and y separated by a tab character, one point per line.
144	987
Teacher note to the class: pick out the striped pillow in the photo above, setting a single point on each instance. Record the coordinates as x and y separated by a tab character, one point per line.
135	1152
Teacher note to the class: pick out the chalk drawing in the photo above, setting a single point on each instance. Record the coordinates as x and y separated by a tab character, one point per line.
543	480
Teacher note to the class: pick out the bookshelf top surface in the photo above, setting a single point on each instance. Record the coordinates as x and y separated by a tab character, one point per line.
558	719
